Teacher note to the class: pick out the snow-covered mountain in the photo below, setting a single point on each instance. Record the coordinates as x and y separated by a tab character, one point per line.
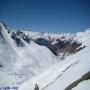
53	61
20	63
60	44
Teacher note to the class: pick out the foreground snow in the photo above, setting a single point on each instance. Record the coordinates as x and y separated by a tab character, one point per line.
61	75
85	85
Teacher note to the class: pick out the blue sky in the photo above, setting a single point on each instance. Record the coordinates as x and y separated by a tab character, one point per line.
46	15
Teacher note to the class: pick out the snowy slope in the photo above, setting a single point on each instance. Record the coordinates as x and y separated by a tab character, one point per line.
85	85
63	74
19	64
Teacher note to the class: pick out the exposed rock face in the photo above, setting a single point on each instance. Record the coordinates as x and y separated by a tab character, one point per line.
65	48
61	47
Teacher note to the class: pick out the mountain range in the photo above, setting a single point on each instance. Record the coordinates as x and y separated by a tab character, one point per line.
54	61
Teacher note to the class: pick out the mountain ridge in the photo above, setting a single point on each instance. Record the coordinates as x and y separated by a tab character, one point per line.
60	44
